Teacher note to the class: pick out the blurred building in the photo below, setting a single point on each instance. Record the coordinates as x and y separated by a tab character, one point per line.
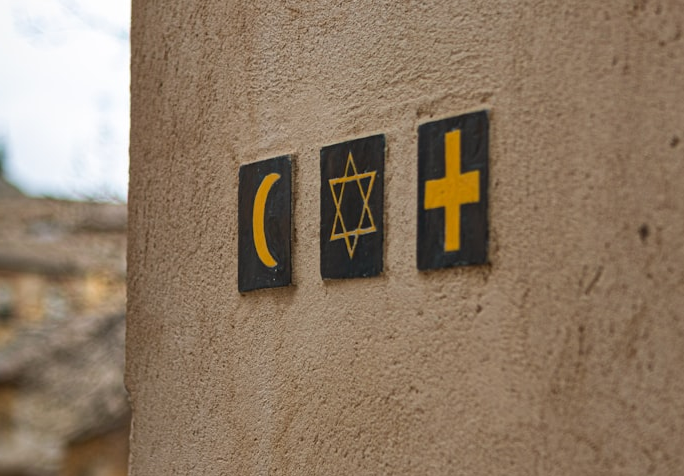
63	406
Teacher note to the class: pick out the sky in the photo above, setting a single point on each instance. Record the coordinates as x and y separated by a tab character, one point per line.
64	96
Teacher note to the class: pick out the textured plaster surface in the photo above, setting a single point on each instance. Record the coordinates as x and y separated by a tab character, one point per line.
564	356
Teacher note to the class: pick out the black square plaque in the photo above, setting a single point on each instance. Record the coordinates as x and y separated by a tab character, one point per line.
264	224
352	175
453	169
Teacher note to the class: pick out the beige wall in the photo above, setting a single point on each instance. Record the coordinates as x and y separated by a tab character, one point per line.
563	356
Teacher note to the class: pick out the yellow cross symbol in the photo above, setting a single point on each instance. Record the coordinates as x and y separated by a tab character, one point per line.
452	191
351	237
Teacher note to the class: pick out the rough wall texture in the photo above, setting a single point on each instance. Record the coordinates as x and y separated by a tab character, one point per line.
563	356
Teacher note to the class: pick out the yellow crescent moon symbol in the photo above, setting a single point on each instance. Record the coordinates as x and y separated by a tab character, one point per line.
258	220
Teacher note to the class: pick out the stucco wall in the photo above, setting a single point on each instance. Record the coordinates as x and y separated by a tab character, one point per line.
563	356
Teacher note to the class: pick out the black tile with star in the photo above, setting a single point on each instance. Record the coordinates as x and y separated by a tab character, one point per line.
352	202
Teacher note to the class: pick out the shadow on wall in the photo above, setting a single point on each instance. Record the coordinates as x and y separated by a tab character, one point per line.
63	406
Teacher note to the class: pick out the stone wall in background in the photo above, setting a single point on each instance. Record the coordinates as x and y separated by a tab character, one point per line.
62	326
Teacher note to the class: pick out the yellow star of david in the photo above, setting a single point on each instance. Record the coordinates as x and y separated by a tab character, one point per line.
351	237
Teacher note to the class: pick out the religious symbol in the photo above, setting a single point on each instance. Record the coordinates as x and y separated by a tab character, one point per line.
351	236
258	220
352	208
453	156
452	191
264	224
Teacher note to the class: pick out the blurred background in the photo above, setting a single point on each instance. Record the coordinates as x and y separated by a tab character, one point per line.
64	96
64	123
